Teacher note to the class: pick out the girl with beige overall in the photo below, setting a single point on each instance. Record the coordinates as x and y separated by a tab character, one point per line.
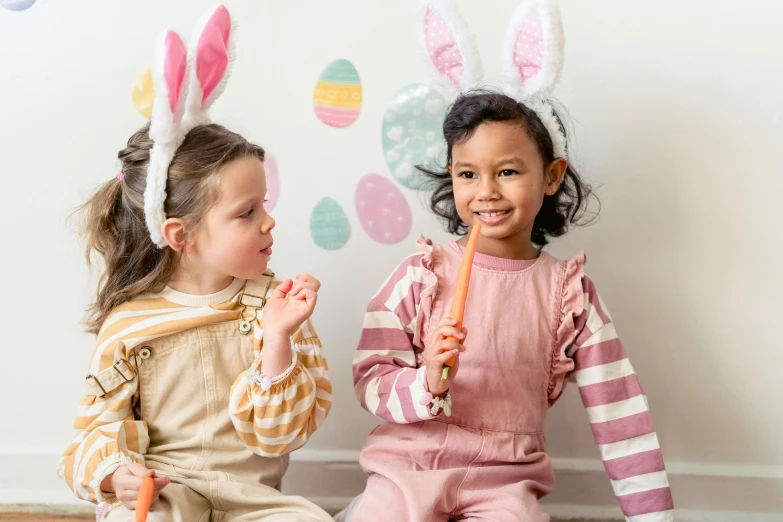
207	371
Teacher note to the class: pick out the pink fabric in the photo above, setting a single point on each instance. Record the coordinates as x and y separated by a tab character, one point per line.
174	67
522	318
646	502
433	471
635	465
508	353
611	391
623	429
399	274
571	307
598	354
442	47
212	51
529	48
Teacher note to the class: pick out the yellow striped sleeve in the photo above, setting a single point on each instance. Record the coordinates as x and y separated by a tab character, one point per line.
281	419
107	436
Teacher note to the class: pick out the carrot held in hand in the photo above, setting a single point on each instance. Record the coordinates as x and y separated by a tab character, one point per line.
461	292
144	502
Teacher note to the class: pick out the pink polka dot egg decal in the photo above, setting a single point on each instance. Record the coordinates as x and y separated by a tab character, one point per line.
272	182
382	209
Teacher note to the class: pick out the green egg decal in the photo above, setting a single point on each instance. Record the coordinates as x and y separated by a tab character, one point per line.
412	133
328	225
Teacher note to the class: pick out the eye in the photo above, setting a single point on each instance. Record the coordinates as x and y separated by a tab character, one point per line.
508	172
468	175
248	213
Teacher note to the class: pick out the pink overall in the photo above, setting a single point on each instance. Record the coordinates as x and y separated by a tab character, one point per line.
488	460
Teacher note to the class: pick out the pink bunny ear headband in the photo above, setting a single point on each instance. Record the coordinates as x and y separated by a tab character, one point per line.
531	60
186	85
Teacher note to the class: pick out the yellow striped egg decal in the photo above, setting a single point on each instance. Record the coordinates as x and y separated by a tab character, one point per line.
337	99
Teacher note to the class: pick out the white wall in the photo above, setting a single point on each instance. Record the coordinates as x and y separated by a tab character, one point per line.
678	113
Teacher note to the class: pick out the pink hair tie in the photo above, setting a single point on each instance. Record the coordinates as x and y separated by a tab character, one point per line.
120	175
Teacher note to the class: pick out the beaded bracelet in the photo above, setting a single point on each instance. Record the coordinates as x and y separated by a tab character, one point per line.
252	375
427	399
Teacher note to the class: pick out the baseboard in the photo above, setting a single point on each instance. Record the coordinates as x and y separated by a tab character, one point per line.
702	492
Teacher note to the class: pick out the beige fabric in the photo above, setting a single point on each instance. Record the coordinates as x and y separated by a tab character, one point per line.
188	501
184	395
270	422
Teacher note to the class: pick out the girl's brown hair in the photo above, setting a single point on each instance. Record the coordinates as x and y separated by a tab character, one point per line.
113	218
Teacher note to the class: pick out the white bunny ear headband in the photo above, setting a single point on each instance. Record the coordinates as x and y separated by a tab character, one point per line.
531	60
186	85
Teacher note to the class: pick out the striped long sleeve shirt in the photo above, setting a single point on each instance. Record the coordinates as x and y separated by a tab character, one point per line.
386	362
270	422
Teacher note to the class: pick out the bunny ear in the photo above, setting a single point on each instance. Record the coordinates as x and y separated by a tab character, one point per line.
532	57
211	57
169	76
449	47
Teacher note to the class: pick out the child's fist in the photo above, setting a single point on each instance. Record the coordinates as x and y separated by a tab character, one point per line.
126	481
439	351
290	305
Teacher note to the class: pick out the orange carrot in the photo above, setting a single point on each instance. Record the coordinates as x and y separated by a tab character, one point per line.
461	292
144	502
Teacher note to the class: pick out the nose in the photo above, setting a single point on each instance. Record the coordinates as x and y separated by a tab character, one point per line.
267	224
487	188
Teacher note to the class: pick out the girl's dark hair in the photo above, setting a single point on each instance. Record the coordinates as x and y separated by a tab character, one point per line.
113	218
567	206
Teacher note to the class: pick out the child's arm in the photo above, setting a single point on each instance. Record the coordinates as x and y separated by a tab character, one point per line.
107	434
279	420
384	366
619	416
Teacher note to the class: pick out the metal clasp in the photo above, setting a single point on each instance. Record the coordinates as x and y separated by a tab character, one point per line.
94	378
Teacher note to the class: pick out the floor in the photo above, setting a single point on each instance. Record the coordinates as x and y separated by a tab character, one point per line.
39	517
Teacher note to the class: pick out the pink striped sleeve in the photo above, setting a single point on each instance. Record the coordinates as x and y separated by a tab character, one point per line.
618	413
384	366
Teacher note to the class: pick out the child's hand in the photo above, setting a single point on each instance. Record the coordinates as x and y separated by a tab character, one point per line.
126	481
290	305
439	351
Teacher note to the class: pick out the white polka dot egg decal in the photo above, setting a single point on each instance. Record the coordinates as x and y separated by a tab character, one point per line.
382	209
411	133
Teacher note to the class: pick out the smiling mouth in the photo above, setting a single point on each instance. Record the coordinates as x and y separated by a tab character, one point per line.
492	213
492	217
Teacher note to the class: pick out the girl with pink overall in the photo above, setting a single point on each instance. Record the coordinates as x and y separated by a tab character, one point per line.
472	447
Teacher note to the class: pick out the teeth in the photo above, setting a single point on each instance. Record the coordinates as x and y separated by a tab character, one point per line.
491	214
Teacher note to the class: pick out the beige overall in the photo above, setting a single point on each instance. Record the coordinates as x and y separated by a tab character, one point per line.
184	394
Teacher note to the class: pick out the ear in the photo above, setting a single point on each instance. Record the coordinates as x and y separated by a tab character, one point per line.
448	47
554	175
532	56
211	58
174	231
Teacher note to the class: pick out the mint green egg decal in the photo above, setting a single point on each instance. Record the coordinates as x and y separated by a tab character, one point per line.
340	71
328	225
412	133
